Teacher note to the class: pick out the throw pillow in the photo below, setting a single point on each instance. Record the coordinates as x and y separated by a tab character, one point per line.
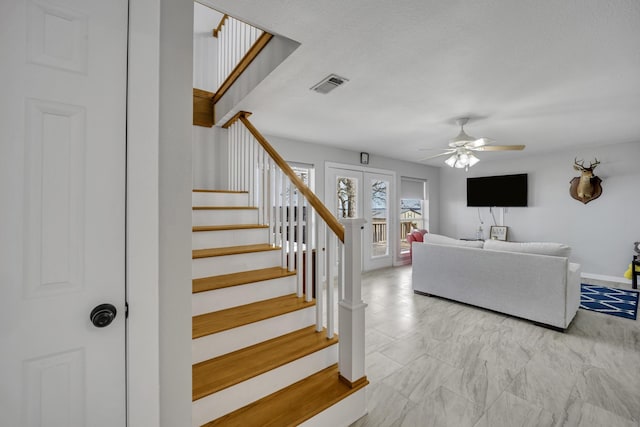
540	248
444	240
417	235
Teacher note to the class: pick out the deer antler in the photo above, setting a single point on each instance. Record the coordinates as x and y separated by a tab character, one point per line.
578	165
593	165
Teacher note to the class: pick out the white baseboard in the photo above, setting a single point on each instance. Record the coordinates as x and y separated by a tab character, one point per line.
605	278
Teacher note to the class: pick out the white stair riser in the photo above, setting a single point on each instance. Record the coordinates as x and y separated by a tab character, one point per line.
343	413
227	264
224	216
233	296
224	342
218	404
219	199
224	238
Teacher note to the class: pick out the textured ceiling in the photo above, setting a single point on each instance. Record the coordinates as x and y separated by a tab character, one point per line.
550	74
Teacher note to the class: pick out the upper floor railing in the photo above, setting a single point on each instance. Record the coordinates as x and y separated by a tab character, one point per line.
238	44
308	234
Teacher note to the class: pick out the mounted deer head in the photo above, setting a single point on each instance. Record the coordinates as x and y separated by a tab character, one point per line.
587	186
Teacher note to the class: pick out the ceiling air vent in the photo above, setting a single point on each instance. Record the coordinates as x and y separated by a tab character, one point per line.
329	83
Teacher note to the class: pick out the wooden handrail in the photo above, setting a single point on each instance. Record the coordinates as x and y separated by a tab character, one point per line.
219	27
257	47
315	202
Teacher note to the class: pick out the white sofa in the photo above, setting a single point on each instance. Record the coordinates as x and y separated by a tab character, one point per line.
533	281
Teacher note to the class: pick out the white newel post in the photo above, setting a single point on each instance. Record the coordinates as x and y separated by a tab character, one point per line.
351	307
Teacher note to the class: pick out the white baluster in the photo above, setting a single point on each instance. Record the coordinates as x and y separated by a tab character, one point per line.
238	150
237	51
230	174
224	43
311	268
331	245
242	41
229	51
283	214
254	173
316	283
277	186
262	188
243	162
247	38
290	222
339	263
270	192
250	167
297	212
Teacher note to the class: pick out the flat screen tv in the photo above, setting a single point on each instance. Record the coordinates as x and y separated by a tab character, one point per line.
499	191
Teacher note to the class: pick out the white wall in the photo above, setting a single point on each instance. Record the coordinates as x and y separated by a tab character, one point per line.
143	348
159	182
205	47
209	145
175	184
601	233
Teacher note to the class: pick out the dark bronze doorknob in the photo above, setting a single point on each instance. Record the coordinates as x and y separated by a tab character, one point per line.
103	315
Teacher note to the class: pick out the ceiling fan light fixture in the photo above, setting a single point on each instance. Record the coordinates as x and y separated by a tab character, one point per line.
462	160
451	161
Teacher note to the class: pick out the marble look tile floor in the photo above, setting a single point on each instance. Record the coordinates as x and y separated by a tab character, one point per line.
434	362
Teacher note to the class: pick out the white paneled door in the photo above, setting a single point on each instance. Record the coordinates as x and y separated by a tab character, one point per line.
62	212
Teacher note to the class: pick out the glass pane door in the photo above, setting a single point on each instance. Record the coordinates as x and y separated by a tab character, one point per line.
379	217
363	194
347	196
377	231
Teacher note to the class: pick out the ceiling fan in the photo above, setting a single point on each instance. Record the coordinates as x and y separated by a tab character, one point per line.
462	148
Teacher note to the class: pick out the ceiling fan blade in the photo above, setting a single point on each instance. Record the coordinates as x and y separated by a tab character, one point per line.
446	153
499	148
480	142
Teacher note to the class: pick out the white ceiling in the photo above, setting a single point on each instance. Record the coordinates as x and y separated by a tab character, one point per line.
551	74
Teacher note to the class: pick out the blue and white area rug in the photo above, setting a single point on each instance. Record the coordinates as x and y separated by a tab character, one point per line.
616	302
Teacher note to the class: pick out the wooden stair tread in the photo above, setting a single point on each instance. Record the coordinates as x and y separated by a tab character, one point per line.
294	404
232	250
223	208
228	227
234	279
229	369
222	320
202	190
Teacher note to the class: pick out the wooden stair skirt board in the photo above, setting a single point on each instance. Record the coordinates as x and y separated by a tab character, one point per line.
292	405
202	108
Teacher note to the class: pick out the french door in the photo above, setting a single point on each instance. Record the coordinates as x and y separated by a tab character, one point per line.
355	192
62	221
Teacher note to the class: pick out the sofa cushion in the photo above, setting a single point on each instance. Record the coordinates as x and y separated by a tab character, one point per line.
444	240
540	248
